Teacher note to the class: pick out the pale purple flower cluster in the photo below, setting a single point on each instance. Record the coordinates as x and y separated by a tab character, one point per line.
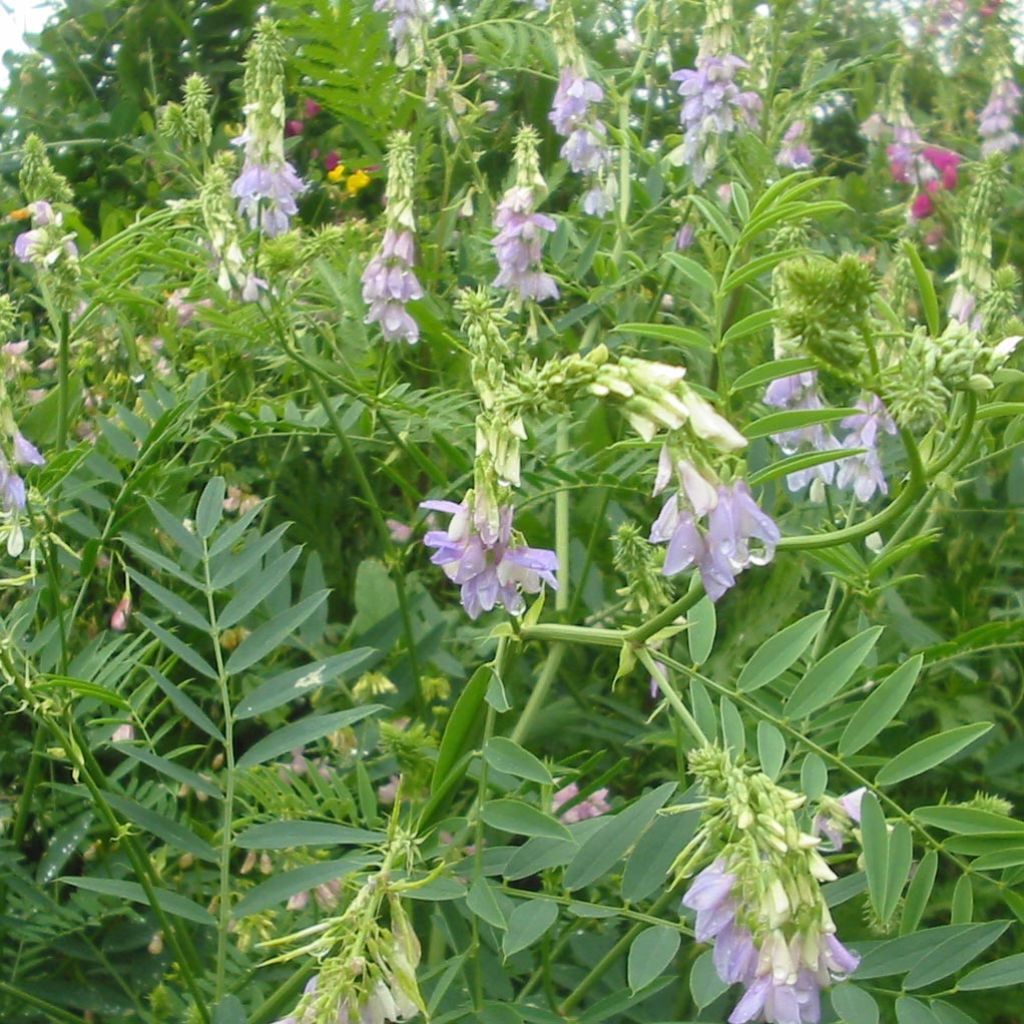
386	1003
484	565
572	117
713	106
389	283
592	806
795	152
800	391
723	549
44	244
864	472
12	487
517	246
995	125
406	18
266	192
783	983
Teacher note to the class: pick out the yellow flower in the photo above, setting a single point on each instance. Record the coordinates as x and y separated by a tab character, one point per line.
335	174
357	182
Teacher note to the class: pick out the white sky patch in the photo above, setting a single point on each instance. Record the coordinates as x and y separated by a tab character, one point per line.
16	18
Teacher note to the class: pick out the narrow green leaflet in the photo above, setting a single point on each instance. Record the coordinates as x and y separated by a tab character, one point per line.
483	901
63	845
280	887
264	639
998	974
522	819
172	902
930	752
464	724
771	749
507	756
700	636
875	836
767	372
881	707
779	422
967	820
827	677
955	952
185	704
527	923
171	769
304	731
705	984
685	337
919	892
171	602
211	507
901	856
650	954
167	829
913	1011
903	954
305	680
779	652
854	1005
188	654
286	835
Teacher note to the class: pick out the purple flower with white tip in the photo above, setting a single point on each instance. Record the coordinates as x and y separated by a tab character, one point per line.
713	107
710	895
735	954
517	246
780	1002
12	488
863	473
489	570
26	453
995	124
795	153
735	521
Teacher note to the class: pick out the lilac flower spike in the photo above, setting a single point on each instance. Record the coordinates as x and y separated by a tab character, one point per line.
488	569
864	472
389	281
586	148
713	107
408	20
995	125
268	185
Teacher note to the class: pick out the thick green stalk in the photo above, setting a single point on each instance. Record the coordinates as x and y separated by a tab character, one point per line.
63	383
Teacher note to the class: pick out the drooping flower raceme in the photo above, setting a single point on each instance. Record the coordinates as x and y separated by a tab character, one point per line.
521	229
489	568
713	107
268	185
863	473
995	124
389	281
586	148
760	900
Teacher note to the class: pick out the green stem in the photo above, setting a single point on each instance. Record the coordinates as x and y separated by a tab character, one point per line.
672	697
63	383
227	820
35	767
540	692
667	616
53	1012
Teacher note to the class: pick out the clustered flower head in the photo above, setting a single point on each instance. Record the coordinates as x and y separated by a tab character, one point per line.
713	107
521	229
389	281
995	123
760	900
406	27
491	566
222	231
586	148
268	185
46	242
862	471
